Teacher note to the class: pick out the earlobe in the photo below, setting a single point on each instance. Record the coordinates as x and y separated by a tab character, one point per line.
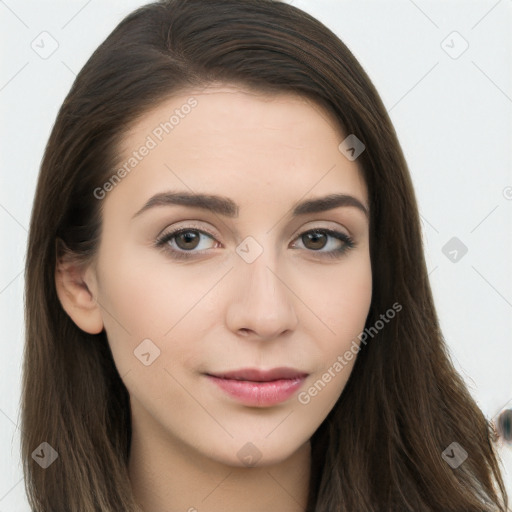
76	297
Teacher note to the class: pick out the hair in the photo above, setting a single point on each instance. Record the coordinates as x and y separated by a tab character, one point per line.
380	448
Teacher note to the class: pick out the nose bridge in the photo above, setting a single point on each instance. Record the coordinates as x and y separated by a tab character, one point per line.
265	303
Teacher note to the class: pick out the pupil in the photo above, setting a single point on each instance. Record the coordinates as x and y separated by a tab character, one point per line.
189	236
317	238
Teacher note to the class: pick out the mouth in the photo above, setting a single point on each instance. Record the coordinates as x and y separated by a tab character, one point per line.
256	375
259	388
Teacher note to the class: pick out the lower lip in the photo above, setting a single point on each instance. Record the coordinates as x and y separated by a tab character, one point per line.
259	394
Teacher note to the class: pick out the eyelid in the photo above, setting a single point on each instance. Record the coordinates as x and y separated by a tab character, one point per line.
189	226
192	225
162	241
334	226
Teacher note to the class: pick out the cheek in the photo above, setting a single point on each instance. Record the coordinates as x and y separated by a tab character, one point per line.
344	313
169	304
344	300
162	303
343	304
148	299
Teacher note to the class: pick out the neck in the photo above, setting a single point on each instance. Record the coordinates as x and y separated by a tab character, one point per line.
166	475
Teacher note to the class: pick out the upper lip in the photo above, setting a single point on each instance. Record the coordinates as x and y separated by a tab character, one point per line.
257	375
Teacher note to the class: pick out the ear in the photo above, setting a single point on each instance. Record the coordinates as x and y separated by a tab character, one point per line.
76	289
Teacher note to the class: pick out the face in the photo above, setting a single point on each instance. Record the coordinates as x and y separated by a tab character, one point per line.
229	320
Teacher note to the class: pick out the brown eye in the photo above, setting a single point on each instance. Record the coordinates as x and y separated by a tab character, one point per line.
326	242
182	243
314	240
187	240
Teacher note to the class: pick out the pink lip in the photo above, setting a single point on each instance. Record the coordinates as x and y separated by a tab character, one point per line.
260	388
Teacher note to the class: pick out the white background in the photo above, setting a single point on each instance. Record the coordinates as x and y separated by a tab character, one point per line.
452	116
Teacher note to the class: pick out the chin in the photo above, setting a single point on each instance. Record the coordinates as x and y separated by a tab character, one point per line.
256	452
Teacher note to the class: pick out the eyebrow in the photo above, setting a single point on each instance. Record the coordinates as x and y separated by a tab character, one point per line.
228	208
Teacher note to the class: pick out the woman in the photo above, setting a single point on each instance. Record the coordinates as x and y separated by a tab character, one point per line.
262	371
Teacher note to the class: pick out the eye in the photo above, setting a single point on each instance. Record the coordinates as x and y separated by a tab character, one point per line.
185	239
181	243
317	239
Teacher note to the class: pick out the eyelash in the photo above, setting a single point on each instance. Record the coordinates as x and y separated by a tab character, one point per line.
162	243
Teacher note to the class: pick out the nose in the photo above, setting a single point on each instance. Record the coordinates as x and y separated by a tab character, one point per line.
262	303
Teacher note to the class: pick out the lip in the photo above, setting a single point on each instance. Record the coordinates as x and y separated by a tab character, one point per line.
259	388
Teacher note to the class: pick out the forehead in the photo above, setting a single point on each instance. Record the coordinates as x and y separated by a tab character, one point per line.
223	138
218	108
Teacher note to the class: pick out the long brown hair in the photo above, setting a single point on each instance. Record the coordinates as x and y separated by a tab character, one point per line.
380	448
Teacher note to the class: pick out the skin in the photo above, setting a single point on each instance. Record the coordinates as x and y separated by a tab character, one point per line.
292	306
